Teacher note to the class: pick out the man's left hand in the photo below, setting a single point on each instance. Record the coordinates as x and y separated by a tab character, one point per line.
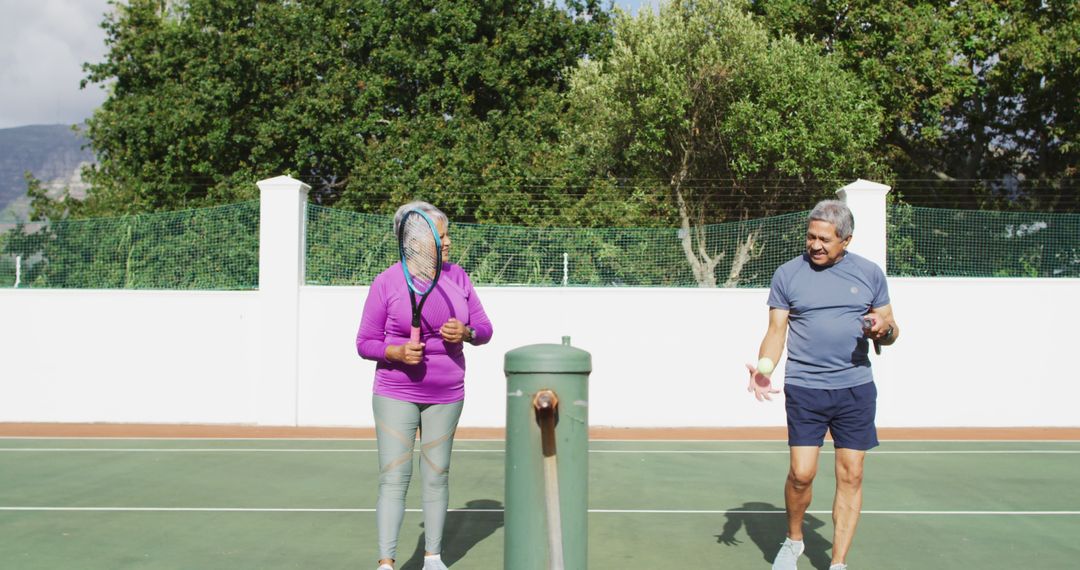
881	328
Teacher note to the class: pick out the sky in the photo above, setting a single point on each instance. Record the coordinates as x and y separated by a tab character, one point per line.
43	45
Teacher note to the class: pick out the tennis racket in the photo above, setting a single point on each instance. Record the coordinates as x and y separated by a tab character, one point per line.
868	323
421	261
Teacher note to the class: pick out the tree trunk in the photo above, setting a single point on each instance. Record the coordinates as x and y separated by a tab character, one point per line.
702	264
743	254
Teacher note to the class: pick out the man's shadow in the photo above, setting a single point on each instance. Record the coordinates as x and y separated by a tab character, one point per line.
462	531
766	526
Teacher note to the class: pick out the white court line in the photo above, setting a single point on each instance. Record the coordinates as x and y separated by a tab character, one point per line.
110	438
740	512
591	511
620	451
778	440
188	450
872	452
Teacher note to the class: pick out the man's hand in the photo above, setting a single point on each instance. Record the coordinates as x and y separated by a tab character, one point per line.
454	331
879	330
760	384
408	353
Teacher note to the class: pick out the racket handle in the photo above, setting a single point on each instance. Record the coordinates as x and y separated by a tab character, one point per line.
867	323
414	335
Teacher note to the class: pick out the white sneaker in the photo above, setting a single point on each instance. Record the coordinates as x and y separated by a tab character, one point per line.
434	563
838	567
385	567
789	553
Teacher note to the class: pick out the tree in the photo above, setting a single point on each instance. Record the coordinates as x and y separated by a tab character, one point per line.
371	102
979	95
734	124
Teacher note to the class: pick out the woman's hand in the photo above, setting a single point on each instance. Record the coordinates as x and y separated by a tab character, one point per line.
408	353
455	331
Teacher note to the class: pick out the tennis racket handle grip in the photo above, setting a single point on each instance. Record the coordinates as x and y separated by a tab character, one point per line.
414	335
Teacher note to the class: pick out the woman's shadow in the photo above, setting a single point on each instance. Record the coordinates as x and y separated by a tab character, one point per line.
766	526
462	531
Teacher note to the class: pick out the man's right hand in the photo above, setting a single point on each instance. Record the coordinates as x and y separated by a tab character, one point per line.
408	353
760	384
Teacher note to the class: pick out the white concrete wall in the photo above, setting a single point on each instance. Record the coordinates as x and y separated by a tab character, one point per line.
981	352
974	352
674	357
128	356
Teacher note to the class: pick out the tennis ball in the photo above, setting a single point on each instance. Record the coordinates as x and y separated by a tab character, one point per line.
765	365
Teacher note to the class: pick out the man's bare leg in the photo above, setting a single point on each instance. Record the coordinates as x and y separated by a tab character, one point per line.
799	488
848	503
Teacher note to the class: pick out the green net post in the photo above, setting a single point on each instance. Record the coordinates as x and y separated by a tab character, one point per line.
547	440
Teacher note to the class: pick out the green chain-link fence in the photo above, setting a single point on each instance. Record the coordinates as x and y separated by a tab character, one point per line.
346	248
207	248
970	243
217	248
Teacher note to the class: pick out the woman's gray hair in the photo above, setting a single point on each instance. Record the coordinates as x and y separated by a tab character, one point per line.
436	214
836	213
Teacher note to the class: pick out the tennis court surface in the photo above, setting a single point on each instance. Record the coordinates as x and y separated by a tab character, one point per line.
241	503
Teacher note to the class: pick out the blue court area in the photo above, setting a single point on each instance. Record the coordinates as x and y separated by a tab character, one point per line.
290	503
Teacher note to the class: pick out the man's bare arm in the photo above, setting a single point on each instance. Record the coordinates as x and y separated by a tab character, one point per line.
772	346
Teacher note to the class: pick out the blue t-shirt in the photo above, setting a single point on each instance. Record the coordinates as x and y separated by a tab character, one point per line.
826	346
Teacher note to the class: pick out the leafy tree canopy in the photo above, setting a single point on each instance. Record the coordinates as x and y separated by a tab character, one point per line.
700	93
368	101
699	101
979	94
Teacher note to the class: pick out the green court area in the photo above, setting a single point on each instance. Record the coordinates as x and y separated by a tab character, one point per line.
264	504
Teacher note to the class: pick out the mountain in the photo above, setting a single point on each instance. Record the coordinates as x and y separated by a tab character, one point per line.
54	154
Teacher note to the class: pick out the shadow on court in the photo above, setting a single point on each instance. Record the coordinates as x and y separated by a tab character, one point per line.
462	532
769	529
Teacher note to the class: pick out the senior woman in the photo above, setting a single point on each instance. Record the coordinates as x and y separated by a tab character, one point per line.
418	386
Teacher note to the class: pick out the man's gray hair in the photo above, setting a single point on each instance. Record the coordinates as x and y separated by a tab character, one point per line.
434	213
836	213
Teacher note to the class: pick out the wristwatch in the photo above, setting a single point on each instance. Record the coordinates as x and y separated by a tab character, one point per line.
471	334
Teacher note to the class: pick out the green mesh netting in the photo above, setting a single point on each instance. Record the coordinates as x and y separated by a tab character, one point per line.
972	243
207	248
217	248
346	248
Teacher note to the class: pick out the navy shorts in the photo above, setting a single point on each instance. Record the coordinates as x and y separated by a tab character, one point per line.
848	413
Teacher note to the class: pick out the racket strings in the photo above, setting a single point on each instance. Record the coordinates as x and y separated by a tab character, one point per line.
419	252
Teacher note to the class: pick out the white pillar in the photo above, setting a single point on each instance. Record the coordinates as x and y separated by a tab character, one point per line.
282	221
867	202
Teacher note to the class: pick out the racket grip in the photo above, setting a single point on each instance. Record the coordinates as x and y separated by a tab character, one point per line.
414	335
867	323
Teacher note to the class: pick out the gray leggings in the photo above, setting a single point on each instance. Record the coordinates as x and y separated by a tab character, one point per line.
396	423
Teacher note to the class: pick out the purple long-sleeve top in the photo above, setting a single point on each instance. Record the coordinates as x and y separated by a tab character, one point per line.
440	377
